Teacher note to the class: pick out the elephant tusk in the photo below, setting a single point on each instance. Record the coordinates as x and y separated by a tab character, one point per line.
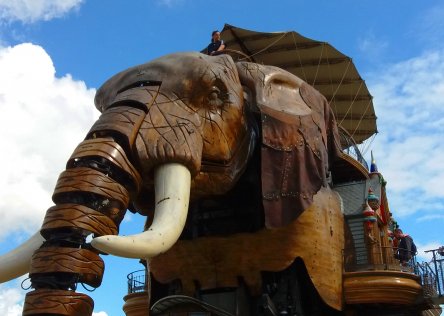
172	189
17	262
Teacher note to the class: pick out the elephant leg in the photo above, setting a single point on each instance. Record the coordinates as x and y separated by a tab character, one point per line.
91	198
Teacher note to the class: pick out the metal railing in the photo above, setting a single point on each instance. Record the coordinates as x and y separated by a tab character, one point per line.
429	279
432	274
349	146
375	257
137	282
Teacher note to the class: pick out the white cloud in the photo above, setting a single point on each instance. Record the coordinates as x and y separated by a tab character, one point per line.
42	119
409	103
371	46
428	23
169	3
430	217
11	301
423	256
29	11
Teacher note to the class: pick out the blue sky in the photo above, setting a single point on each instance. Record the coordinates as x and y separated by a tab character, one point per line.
55	54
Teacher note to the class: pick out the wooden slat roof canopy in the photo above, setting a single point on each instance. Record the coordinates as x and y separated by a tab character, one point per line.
319	64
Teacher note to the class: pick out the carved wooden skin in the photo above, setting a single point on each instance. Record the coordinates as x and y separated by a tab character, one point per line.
88	201
57	302
87	264
196	117
217	262
79	216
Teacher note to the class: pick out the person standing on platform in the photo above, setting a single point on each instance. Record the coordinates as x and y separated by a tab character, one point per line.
406	247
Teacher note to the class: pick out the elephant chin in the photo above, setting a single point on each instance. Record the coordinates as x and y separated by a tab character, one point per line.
17	262
172	189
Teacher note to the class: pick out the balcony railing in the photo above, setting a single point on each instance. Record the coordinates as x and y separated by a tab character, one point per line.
349	146
137	282
432	275
375	257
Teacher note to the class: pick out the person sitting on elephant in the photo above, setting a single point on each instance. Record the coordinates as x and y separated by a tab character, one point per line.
217	44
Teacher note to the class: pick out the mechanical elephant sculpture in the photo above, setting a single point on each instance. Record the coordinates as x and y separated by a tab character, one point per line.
223	155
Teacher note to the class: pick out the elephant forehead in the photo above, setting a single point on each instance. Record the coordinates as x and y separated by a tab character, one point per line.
178	72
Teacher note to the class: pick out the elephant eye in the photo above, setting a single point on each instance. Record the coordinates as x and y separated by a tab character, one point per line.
214	94
214	97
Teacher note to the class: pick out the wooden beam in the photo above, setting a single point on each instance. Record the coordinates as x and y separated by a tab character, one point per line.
355	117
241	44
351	98
314	62
282	47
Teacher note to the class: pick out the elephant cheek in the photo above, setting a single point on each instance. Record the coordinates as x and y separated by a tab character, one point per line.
217	148
170	134
219	176
223	135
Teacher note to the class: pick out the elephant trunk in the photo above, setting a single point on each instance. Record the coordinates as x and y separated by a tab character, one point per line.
172	190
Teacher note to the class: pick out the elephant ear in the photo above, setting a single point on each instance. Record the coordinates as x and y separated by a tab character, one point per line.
275	91
299	140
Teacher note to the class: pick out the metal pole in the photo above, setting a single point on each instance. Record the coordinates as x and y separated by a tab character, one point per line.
436	272
442	277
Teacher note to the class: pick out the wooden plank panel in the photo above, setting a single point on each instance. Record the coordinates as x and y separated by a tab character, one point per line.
316	236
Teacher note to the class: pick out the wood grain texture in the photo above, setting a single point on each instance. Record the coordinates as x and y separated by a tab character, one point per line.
76	216
57	302
316	237
86	263
110	150
120	120
91	181
171	132
136	304
379	287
